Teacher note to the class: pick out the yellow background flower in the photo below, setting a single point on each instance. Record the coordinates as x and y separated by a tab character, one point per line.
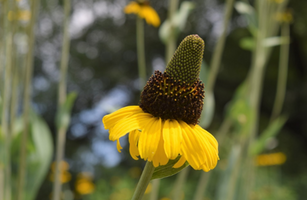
271	159
145	11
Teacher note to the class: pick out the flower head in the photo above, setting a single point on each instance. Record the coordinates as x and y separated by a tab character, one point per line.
164	126
143	10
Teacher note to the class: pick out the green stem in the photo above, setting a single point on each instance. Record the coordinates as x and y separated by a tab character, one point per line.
202	185
178	185
217	54
61	100
144	181
155	189
205	176
141	50
5	121
171	42
26	103
282	74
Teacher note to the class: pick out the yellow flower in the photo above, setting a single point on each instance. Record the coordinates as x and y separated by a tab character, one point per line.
271	159
164	126
23	15
143	10
285	16
84	184
65	176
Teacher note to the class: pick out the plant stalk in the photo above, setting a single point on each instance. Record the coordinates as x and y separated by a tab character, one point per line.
179	183
282	74
155	189
26	103
61	100
217	54
141	51
144	181
171	43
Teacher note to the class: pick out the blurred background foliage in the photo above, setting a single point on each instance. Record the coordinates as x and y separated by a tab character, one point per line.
102	70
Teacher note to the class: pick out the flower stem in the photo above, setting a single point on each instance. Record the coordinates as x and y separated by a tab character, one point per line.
141	50
155	189
179	183
144	181
26	103
62	98
282	74
216	60
171	43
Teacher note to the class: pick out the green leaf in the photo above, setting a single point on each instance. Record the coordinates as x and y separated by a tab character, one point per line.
275	41
63	115
41	156
168	170
239	110
208	110
173	28
247	43
271	131
209	102
249	13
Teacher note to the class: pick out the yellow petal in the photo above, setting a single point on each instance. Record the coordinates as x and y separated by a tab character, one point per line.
160	157
192	150
149	138
133	139
150	15
132	7
110	120
172	138
209	145
129	124
180	162
118	146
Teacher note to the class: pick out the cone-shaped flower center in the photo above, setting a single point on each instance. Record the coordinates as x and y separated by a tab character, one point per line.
185	63
177	93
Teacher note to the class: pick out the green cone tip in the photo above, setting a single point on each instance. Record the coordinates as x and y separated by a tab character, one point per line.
186	61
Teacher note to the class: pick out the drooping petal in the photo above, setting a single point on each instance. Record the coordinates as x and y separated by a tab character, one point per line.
129	124
118	146
149	138
133	139
150	15
210	146
132	7
192	150
172	137
160	157
110	120
180	162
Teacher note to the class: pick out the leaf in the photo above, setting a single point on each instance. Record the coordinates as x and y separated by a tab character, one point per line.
247	43
209	102
274	41
168	170
269	132
249	13
43	151
63	115
229	177
208	110
172	28
182	15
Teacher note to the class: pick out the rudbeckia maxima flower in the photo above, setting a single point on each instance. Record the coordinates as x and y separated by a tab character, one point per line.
145	11
164	125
